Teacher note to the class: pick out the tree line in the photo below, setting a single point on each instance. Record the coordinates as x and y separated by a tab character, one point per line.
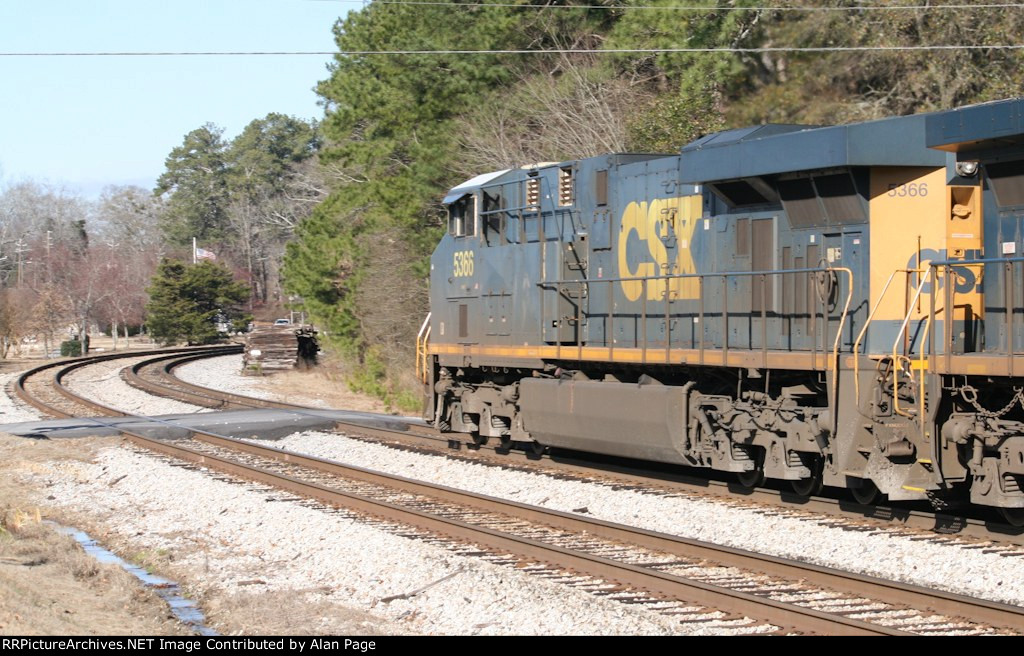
399	130
123	261
338	217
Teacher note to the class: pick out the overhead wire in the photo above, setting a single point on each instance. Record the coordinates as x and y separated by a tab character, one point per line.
726	50
543	51
878	7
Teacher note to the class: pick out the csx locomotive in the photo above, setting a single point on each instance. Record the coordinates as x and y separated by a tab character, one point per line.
839	305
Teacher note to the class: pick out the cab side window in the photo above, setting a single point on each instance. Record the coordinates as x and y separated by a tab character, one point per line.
462	217
493	219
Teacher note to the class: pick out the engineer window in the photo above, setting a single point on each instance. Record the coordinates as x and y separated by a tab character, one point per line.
493	219
462	217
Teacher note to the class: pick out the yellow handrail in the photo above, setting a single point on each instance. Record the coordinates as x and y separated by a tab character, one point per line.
899	337
422	337
921	367
864	330
835	345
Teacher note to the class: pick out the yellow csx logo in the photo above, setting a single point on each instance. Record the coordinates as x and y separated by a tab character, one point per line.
649	222
462	264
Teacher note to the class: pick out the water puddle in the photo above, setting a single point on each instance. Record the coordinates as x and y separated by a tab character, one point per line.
184	609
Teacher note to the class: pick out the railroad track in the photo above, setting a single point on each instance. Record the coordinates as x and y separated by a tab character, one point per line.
649	567
663	572
44	387
156	377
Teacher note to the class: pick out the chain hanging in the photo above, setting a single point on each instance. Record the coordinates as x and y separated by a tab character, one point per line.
970	395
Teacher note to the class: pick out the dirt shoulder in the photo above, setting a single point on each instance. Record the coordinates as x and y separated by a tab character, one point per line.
321	386
48	584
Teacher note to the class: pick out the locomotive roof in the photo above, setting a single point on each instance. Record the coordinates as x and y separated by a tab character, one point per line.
977	128
484	179
775	149
736	135
464	188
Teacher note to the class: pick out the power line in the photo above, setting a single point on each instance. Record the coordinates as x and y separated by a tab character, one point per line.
360	53
510	5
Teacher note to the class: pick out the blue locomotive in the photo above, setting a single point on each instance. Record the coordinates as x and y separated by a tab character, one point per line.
838	305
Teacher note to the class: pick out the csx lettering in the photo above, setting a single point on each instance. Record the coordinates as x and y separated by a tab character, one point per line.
911	189
966	279
462	264
654	222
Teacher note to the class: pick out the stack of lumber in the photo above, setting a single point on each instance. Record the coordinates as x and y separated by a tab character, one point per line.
270	348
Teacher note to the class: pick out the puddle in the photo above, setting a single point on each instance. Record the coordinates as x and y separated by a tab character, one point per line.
184	609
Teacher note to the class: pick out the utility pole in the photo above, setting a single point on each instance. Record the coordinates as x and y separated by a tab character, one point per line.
49	273
19	250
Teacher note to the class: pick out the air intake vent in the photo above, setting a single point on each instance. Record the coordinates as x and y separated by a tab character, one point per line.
565	186
533	192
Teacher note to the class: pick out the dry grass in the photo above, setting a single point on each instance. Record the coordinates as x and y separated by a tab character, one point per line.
324	384
48	584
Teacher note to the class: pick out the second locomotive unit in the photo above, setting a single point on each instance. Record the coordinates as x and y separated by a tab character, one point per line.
835	305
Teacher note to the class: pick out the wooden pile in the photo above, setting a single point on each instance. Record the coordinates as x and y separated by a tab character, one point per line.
270	348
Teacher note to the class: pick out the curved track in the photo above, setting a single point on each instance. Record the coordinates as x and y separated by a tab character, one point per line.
43	387
639	565
156	377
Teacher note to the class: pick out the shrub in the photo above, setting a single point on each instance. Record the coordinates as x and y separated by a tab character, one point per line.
71	348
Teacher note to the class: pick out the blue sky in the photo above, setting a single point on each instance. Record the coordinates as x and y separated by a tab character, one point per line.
86	122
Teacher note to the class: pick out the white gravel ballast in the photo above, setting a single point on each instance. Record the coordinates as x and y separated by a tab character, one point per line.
946	565
102	382
229	534
11	411
224	374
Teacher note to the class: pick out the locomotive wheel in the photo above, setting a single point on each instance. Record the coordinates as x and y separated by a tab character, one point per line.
751	479
808	487
1013	516
479	439
537	449
866	494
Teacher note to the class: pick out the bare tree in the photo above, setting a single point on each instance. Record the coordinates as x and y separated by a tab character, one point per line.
390	301
571	109
130	216
51	310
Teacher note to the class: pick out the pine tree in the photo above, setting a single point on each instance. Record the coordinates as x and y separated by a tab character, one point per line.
187	302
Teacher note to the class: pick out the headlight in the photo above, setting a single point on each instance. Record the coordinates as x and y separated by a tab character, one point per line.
966	169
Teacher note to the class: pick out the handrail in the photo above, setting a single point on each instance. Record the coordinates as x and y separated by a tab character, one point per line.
994	260
1008	291
899	337
864	330
713	274
910	312
643	280
421	350
920	367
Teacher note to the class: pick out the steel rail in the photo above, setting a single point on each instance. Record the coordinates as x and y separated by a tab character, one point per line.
891	592
667	585
942	524
64	367
195	394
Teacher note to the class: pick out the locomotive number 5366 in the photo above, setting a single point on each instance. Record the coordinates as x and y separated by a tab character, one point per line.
462	264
